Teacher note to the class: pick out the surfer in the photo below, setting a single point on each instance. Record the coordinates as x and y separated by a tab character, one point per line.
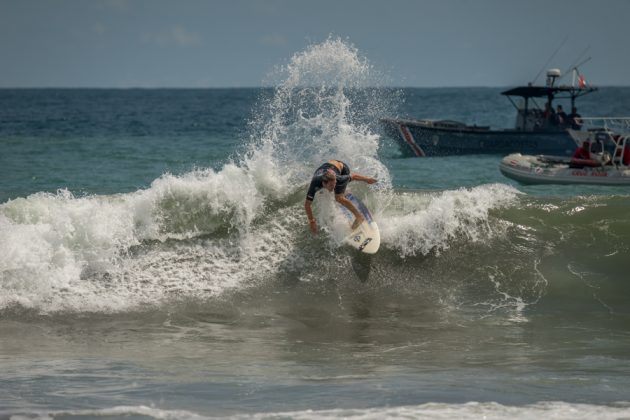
334	175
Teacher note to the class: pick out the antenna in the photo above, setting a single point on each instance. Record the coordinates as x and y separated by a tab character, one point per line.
574	66
550	58
582	62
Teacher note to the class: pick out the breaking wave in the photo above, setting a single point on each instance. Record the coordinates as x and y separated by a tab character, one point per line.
202	234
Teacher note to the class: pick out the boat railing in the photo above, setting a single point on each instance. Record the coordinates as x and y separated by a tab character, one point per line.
620	125
616	130
620	147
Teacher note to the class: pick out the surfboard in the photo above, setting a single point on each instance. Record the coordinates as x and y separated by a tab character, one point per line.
366	238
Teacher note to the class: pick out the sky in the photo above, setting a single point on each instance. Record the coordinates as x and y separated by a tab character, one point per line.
237	43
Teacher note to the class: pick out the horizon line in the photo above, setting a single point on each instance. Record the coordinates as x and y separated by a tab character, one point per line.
265	87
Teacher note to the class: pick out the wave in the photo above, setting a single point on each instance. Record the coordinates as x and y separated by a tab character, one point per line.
203	234
208	233
188	238
470	410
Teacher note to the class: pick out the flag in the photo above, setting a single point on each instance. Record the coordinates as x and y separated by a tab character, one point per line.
581	82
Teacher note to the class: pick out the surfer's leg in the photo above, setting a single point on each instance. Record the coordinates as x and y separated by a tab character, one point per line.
357	222
358	217
340	196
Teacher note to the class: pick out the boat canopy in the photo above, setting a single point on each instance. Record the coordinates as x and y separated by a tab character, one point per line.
548	91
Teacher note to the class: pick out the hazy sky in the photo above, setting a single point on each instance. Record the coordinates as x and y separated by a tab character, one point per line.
234	43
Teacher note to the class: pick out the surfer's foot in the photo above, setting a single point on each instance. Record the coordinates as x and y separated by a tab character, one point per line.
357	222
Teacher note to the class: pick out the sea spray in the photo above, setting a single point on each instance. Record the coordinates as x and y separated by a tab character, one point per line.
199	234
325	106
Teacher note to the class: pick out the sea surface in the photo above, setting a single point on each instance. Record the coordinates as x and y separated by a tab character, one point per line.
156	263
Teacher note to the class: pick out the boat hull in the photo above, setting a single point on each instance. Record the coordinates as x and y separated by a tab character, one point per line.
417	139
533	170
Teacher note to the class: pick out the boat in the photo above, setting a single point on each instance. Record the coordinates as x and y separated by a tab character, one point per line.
607	164
533	133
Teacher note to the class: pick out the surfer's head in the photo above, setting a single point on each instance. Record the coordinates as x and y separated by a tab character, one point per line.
329	180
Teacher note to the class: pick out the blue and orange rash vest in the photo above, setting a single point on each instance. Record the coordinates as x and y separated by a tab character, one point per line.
342	173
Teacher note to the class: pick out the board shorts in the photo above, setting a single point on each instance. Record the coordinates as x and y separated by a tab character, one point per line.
343	180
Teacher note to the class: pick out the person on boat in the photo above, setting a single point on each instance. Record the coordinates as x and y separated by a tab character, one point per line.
334	175
626	154
549	115
583	152
561	116
538	118
575	119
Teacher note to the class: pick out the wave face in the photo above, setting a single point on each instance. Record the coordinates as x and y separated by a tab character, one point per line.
208	233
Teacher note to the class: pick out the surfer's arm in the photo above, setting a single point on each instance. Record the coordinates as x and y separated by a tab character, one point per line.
309	213
357	177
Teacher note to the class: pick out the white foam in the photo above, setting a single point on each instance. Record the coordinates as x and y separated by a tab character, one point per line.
46	241
120	411
59	252
471	410
420	223
554	410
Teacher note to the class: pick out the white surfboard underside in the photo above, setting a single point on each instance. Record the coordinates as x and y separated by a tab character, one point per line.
366	238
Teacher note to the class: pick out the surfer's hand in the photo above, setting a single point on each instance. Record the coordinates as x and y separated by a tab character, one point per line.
371	180
313	225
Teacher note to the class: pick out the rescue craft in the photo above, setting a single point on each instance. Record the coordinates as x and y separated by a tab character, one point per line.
608	161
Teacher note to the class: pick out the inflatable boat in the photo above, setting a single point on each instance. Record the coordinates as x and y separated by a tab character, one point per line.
607	163
542	169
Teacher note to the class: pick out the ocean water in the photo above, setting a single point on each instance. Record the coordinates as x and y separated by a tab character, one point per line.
155	260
